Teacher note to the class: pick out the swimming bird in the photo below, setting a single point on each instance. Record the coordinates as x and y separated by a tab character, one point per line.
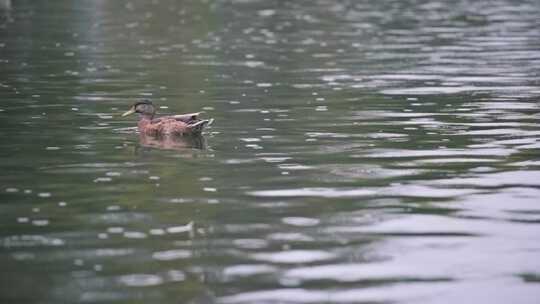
179	125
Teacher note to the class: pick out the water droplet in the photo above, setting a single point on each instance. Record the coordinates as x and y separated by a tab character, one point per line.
171	255
44	194
78	262
180	229
157	231
266	12
300	221
23	220
102	180
135	235
40	222
115	229
140	280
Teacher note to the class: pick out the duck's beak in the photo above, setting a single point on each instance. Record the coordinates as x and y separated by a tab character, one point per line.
131	111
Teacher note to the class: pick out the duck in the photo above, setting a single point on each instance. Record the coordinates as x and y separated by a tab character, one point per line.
172	125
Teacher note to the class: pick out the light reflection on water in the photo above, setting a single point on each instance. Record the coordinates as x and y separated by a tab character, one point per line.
361	152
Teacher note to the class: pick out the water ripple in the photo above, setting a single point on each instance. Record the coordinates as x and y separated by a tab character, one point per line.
294	256
140	280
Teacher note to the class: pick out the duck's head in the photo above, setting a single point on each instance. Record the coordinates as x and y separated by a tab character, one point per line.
144	107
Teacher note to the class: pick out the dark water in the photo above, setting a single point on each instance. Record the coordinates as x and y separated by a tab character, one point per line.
362	151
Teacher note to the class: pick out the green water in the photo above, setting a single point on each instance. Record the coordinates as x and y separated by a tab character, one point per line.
362	152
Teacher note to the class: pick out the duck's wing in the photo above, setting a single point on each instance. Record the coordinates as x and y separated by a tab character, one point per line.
187	118
157	120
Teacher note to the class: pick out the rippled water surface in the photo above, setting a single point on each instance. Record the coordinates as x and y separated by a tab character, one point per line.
362	152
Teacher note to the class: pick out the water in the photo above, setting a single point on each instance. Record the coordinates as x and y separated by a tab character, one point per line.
362	151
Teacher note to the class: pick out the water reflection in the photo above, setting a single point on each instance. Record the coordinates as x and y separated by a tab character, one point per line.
178	143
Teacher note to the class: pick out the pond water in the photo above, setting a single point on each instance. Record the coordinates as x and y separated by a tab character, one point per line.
362	151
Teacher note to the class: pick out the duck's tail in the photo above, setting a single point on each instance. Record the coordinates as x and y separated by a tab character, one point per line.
197	128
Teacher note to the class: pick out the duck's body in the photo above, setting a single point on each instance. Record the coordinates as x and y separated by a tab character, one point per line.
184	124
174	125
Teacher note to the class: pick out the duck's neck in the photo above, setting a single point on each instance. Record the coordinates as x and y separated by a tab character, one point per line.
144	120
146	116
